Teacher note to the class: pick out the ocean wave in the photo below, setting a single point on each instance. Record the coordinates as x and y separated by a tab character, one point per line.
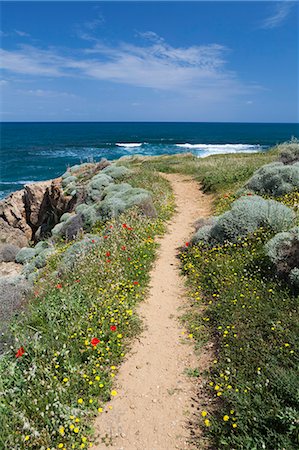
17	182
128	145
221	147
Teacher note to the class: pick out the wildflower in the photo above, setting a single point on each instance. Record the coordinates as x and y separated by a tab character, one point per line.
123	247
113	393
58	286
225	418
65	380
187	244
95	341
234	425
108	253
76	430
80	401
113	328
204	413
61	431
135	282
27	438
20	352
207	423
125	225
100	410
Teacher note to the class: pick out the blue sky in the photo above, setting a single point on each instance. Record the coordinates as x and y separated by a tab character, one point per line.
149	61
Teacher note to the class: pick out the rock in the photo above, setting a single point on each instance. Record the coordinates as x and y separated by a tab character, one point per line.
11	235
35	209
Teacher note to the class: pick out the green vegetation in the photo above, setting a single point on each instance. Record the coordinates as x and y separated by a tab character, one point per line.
76	329
242	300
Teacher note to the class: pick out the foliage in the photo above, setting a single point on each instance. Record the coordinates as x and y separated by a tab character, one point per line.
289	152
246	215
252	318
76	330
275	179
116	172
283	250
25	255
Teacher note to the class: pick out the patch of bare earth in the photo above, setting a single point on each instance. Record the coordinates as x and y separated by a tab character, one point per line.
156	399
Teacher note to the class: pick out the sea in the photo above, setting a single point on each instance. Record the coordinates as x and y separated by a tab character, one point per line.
39	151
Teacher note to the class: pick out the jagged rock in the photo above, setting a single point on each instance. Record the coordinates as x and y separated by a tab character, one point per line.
11	235
36	208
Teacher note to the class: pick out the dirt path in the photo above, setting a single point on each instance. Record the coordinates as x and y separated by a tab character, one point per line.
151	409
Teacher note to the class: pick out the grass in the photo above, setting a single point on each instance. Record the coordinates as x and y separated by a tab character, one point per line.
217	174
75	332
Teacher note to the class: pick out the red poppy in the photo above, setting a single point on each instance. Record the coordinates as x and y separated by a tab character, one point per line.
111	226
105	237
129	259
125	225
20	352
123	247
187	244
113	327
58	286
129	228
108	253
249	193
108	260
95	341
135	282
77	281
93	241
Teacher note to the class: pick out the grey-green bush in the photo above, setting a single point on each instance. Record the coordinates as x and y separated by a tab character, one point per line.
88	214
8	252
96	187
79	249
25	255
72	227
116	171
247	214
289	152
283	250
275	179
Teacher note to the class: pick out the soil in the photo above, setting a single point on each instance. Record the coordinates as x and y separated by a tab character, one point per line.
155	397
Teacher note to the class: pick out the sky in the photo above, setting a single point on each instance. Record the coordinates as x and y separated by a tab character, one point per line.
149	61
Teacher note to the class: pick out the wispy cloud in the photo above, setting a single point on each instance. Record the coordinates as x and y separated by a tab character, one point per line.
156	65
280	12
22	33
46	93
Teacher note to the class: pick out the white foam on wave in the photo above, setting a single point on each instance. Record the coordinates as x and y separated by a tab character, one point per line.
128	145
221	147
18	182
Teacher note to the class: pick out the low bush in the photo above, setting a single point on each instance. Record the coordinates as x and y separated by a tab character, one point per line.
247	214
283	250
25	255
289	152
275	179
116	172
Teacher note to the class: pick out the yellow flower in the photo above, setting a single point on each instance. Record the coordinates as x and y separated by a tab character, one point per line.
225	418
61	431
84	439
65	379
234	425
72	426
80	400
204	413
113	393
27	438
207	423
76	430
60	445
100	410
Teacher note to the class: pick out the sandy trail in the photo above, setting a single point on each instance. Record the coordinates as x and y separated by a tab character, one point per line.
152	407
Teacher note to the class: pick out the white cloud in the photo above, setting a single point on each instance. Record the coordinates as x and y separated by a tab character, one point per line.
22	33
157	65
47	93
279	15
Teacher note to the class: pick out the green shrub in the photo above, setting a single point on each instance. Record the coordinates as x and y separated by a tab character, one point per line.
96	186
246	216
79	249
25	255
68	180
41	259
72	227
283	250
116	171
289	152
275	179
88	215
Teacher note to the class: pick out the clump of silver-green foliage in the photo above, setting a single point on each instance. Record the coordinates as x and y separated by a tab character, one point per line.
34	258
247	214
281	177
283	250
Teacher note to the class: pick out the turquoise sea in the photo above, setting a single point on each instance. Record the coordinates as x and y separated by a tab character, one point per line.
39	151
